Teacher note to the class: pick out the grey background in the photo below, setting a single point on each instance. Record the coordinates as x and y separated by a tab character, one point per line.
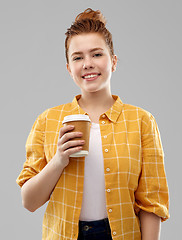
147	39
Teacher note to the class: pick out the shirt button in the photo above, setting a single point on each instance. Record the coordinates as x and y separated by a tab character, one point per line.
105	136
110	210
103	122
108	190
103	115
106	150
114	233
108	169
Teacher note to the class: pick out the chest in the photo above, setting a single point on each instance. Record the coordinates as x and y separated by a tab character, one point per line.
94	117
120	146
121	139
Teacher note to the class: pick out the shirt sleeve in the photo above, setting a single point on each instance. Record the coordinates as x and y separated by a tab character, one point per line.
35	156
152	194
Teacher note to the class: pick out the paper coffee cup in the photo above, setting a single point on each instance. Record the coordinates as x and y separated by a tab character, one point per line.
82	124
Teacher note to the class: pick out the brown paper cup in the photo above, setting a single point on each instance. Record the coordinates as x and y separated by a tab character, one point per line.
82	124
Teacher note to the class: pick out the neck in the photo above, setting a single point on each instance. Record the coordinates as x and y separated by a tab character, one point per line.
96	101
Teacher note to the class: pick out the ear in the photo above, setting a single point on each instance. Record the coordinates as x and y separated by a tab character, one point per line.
114	63
68	68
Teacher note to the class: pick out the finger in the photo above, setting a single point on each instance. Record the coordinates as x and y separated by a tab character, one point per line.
70	135
70	151
72	144
65	129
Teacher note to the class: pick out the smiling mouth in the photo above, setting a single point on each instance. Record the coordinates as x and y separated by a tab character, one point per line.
90	76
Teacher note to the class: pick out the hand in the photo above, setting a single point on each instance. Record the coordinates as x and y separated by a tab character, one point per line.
66	146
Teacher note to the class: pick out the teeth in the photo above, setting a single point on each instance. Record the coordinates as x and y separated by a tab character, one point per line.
90	76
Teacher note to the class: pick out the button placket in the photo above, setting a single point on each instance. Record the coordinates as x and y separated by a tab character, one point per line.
104	136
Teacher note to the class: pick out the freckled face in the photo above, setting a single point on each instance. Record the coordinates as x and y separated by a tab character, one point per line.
90	63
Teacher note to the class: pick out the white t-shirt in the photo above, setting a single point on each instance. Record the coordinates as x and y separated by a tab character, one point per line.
94	199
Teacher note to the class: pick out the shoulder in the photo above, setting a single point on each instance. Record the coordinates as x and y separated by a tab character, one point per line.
55	112
135	111
143	117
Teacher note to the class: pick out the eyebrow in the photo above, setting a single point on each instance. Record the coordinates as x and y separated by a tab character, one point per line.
92	50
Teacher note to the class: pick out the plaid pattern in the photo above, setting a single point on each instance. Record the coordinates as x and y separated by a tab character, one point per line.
133	163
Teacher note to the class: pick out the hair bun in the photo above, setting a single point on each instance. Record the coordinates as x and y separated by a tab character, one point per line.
91	14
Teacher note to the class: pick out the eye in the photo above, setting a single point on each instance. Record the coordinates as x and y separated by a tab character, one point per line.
97	54
76	58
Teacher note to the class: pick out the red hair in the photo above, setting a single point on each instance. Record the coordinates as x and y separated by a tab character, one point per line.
89	21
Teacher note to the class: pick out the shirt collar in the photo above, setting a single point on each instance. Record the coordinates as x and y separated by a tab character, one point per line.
113	113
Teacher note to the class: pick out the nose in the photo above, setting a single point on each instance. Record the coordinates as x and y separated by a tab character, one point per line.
88	63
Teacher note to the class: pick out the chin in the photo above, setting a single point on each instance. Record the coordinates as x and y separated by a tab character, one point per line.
91	90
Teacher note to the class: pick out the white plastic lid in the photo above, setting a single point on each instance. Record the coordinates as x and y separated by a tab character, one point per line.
76	117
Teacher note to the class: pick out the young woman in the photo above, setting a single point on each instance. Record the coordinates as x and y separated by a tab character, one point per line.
119	191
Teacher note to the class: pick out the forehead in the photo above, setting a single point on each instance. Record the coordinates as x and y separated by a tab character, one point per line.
85	42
